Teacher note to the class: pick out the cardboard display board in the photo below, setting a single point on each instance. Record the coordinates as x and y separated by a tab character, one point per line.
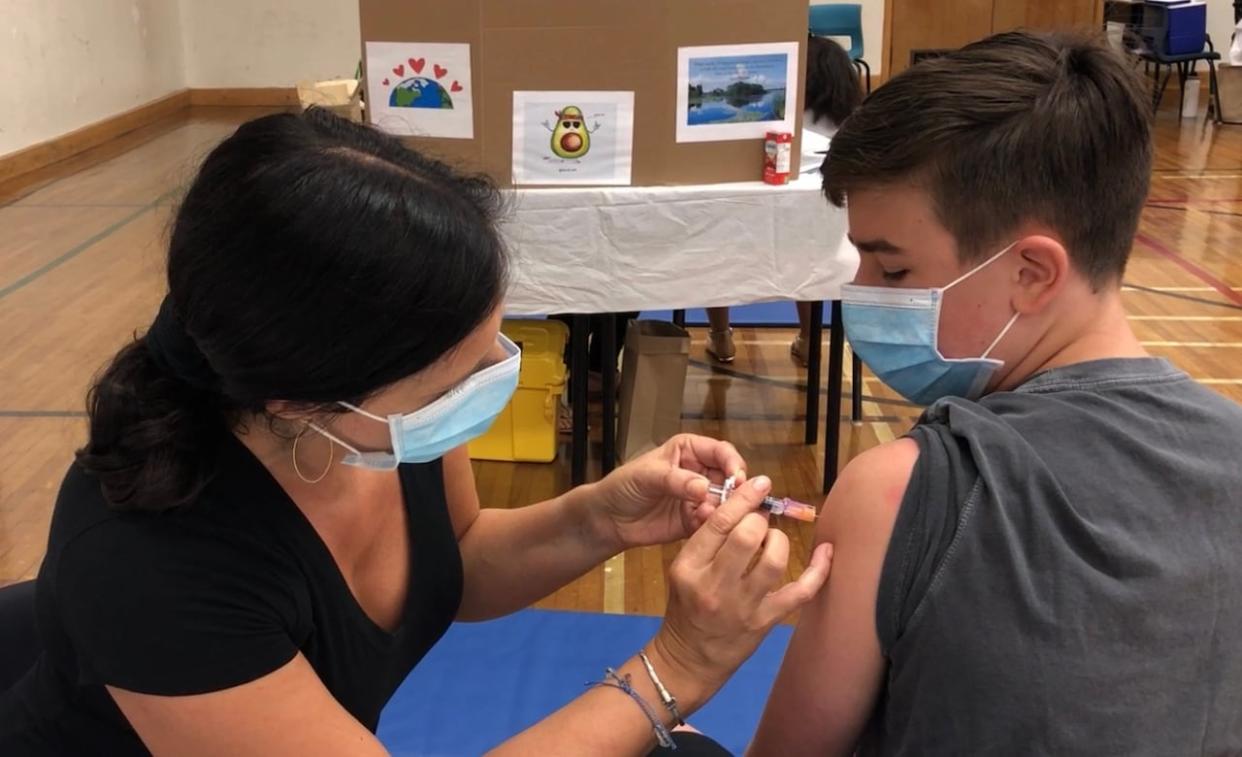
600	45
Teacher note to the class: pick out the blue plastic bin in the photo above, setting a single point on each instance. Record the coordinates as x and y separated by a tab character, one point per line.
1175	27
1187	28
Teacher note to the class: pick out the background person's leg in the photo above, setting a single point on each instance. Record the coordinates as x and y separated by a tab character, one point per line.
798	349
720	340
622	325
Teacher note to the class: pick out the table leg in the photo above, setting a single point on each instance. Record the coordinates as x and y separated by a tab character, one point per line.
814	357
608	366
578	398
1182	74
832	431
856	390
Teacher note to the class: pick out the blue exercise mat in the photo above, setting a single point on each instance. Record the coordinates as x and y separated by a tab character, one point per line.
761	314
485	682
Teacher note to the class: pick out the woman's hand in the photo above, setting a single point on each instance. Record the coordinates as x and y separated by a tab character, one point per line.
725	594
662	495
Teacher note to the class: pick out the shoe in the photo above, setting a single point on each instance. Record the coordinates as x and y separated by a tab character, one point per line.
565	419
720	345
798	351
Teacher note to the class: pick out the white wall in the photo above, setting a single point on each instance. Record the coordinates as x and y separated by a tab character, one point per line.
1220	25
268	43
70	63
873	30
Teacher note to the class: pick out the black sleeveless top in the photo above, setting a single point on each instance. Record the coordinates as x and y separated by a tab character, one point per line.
210	596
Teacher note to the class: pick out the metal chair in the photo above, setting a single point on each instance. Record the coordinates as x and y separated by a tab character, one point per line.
1153	50
842	20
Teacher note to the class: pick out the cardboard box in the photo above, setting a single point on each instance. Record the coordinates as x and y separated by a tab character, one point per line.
611	45
341	96
1229	80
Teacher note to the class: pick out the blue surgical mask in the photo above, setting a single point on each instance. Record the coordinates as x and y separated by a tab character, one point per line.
895	332
465	413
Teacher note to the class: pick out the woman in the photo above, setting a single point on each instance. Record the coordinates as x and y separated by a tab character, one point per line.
832	93
274	517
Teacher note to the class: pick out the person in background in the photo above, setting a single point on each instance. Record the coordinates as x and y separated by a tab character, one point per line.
832	92
595	359
1049	562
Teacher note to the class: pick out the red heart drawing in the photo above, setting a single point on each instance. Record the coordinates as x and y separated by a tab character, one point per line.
399	70
417	64
440	72
385	82
455	88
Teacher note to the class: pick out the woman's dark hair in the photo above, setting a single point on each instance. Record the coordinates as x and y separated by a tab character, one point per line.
312	261
832	87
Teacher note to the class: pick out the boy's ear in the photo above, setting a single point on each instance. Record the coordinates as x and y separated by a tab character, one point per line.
1043	269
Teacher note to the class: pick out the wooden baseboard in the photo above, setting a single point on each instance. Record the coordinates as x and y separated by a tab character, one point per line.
67	145
274	97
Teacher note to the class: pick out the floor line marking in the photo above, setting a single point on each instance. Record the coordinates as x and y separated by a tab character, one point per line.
83	246
1206	276
1210	318
1192	344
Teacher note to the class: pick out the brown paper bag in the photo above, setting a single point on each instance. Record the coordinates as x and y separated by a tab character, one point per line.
653	383
1229	79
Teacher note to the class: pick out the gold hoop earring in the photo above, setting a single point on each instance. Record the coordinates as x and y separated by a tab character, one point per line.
328	467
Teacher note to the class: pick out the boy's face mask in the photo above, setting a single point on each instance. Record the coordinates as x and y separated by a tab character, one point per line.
896	333
465	413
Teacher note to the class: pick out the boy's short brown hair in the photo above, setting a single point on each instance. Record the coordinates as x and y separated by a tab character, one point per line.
1021	126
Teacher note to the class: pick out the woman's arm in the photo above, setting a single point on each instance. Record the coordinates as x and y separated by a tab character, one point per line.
288	711
514	557
833	669
725	594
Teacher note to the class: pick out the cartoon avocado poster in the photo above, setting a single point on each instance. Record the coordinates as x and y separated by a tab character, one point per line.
570	137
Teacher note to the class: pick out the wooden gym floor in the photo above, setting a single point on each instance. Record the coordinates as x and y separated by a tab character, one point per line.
81	252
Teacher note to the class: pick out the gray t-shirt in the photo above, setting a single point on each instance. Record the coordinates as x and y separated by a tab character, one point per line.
1065	573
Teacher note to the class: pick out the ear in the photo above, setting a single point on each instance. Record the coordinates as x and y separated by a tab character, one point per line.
291	412
1043	270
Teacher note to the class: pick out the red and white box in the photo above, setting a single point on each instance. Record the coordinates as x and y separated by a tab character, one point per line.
777	157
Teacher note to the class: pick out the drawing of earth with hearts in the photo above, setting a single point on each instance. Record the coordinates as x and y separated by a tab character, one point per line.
420	92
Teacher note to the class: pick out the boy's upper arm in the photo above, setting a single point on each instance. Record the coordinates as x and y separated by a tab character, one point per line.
833	669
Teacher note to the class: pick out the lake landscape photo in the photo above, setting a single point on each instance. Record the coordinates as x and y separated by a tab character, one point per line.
737	89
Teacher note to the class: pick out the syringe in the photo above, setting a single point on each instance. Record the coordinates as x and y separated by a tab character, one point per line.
790	508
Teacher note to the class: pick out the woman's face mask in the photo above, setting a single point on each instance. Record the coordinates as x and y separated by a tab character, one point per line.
465	413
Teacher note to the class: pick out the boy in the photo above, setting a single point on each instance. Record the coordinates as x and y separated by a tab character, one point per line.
1054	568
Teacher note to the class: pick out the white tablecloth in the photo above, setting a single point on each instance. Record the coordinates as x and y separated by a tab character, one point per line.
600	250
